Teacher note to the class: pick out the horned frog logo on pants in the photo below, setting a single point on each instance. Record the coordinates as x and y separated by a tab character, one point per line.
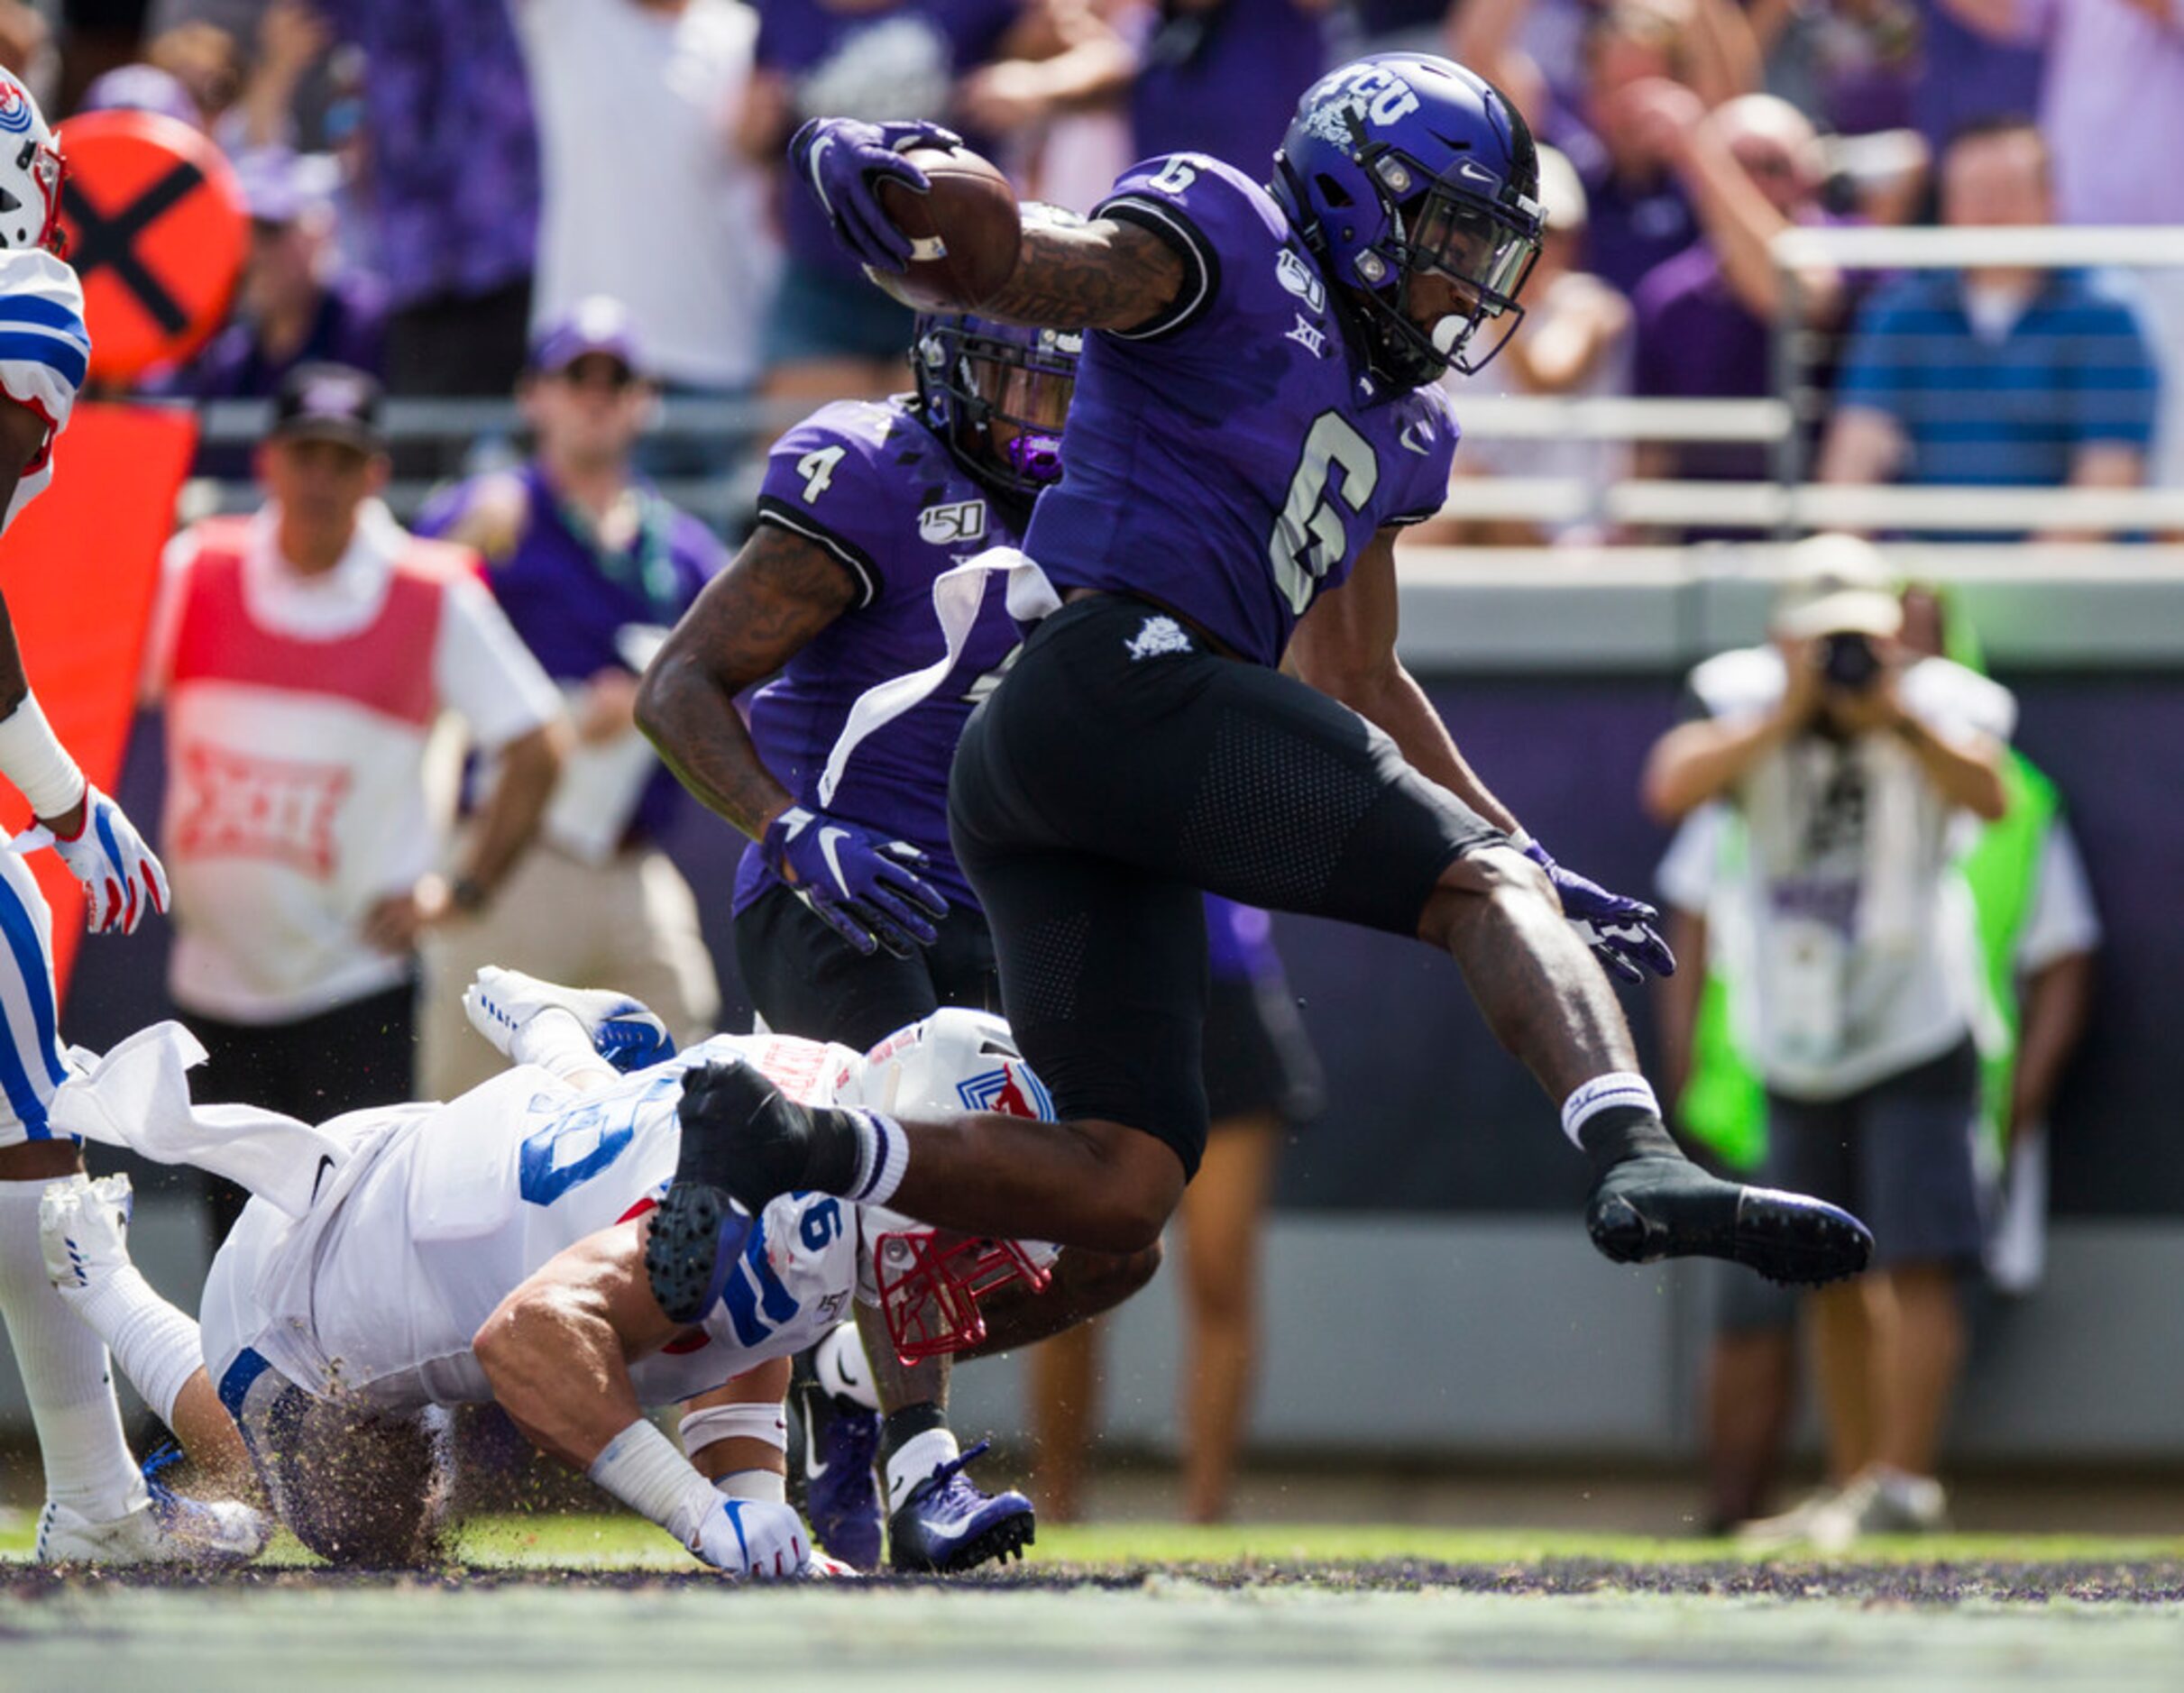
1158	636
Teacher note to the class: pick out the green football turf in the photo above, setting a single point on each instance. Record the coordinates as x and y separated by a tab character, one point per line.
627	1542
607	1602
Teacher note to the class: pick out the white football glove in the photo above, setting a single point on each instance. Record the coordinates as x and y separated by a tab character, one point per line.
506	1007
755	1538
122	877
83	1232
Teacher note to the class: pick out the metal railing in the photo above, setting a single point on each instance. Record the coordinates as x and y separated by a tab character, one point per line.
1784	504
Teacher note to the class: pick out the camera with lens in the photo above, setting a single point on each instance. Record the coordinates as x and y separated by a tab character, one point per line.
1850	661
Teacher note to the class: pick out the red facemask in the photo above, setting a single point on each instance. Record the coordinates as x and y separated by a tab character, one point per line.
929	1282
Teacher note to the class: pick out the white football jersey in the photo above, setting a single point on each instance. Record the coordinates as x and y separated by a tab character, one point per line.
459	1205
44	352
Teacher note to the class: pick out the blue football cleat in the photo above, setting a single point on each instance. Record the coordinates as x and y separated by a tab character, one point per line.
946	1524
841	1441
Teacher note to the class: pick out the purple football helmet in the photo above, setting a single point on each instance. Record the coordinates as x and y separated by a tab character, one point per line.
997	394
1404	165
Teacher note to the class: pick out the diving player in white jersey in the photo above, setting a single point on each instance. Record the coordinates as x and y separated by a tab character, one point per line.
492	1249
98	1507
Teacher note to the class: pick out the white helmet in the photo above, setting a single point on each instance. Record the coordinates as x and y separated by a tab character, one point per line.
30	172
955	1060
927	1281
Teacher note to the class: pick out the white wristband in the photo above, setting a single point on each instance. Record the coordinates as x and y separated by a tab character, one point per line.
642	1468
33	757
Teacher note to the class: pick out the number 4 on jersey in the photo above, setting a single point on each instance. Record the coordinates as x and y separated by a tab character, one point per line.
817	469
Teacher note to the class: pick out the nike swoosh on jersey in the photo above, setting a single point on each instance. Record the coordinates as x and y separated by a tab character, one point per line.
828	839
1420	447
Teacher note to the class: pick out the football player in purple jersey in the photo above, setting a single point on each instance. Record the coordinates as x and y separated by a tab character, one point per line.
1257	414
852	920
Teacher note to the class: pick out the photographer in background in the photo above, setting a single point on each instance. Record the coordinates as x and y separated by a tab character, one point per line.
1852	765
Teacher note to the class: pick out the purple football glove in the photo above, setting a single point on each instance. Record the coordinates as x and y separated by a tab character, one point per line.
843	162
1620	931
866	891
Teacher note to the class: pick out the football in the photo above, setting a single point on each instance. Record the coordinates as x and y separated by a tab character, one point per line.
966	231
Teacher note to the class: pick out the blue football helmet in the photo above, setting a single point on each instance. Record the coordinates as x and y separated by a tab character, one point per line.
1404	165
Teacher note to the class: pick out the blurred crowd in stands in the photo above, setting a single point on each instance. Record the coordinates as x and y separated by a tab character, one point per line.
430	181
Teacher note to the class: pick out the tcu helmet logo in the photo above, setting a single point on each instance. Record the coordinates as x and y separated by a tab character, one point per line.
14	106
1011	1090
1370	94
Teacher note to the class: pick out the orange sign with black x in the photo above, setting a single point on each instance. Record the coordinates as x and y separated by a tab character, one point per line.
157	231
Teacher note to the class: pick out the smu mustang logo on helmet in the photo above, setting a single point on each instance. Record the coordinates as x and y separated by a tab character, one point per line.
16	113
1011	1090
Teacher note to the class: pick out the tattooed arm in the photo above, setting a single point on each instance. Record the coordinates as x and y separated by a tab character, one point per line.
751	620
1101	275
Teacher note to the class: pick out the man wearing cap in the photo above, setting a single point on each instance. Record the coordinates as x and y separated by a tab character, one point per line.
1855	766
592	568
303	654
292	308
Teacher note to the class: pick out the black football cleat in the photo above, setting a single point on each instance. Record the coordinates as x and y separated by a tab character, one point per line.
744	1142
1646	1209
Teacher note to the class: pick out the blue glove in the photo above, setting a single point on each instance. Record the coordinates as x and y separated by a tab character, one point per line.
843	162
1620	931
866	891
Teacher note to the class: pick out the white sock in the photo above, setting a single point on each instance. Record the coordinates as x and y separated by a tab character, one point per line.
1612	1091
839	1361
157	1345
87	1464
883	1155
915	1460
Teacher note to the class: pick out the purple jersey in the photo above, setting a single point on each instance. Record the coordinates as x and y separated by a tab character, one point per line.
881	492
1231	459
570	600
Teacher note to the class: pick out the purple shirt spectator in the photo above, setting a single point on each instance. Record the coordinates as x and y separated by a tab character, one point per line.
1697	341
1964	77
1630	227
1224	80
570	600
351	328
454	150
2113	108
885	61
